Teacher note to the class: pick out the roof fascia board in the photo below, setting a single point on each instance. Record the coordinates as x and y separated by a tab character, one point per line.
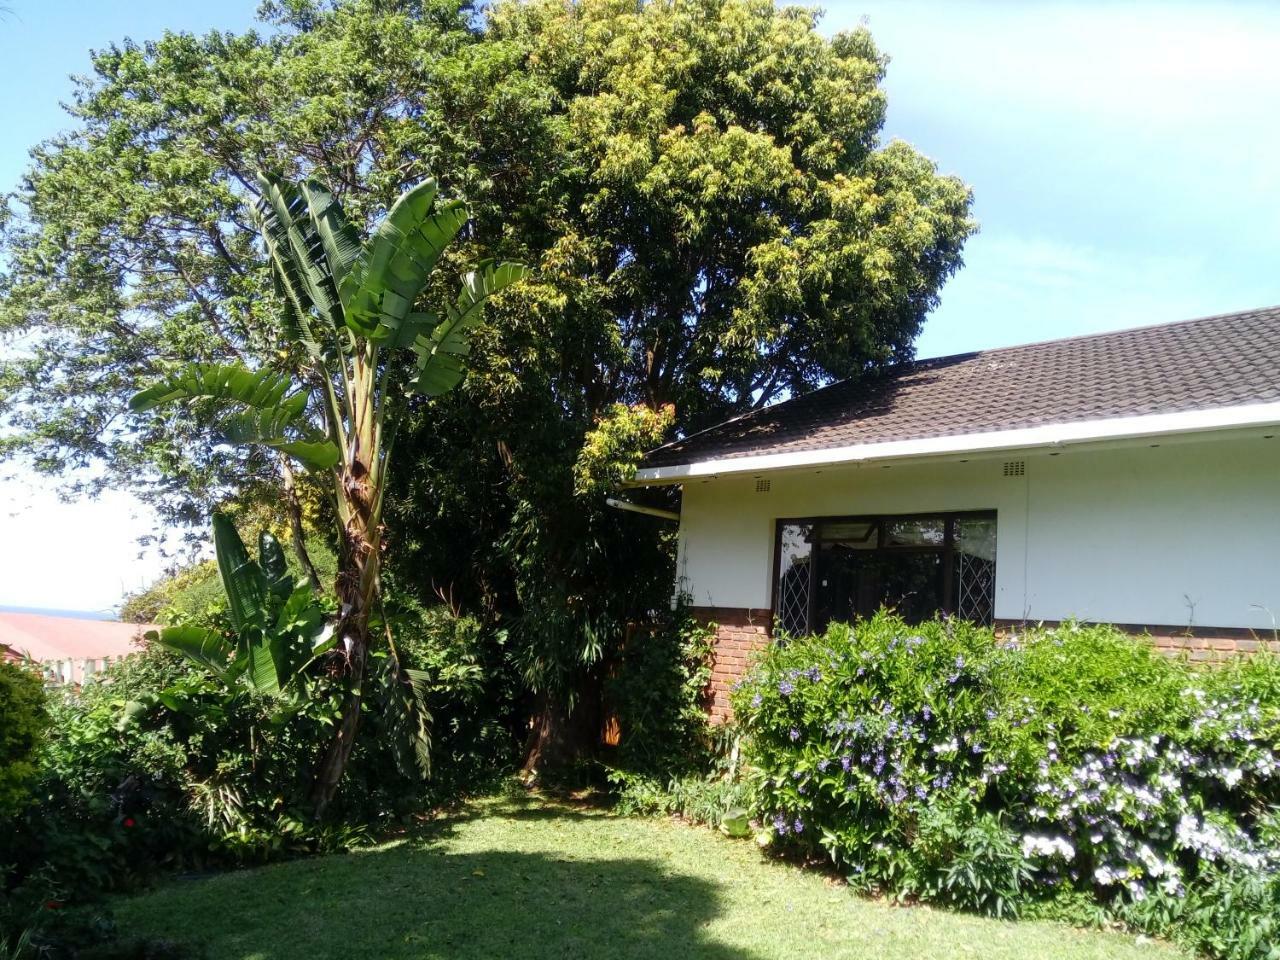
1048	435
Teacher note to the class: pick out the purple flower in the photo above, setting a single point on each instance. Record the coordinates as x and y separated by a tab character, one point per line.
814	674
846	762
780	823
822	765
757	700
799	825
786	688
795	734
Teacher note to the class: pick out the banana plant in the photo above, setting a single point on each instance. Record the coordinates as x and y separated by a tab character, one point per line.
352	309
280	628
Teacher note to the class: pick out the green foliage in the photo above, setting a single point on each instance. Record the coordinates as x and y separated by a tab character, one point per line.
940	762
23	721
466	693
715	799
700	186
194	594
280	629
1231	913
614	447
657	691
965	859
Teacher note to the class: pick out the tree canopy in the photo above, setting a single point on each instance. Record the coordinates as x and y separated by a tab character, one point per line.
699	187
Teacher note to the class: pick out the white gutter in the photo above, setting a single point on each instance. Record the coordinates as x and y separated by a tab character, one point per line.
1050	435
619	504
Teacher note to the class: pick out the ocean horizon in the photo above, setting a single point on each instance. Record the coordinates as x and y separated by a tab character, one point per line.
53	612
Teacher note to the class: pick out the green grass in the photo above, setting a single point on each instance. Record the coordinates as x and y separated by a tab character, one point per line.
532	880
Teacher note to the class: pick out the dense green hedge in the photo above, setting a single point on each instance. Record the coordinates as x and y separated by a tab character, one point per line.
943	763
23	719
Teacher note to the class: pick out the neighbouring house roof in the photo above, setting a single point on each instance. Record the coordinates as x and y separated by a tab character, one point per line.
1210	373
44	638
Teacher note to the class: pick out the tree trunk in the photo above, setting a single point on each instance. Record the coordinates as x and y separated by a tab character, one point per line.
298	535
356	588
334	762
558	737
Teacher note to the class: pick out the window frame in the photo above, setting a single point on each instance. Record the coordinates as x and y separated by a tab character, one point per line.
880	520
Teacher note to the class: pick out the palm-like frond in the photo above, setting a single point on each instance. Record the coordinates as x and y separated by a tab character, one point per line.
296	246
396	263
440	361
270	415
259	389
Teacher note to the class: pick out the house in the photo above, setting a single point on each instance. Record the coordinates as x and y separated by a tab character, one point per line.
1129	477
69	649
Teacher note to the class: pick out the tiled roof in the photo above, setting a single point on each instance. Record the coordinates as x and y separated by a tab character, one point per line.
1223	361
43	638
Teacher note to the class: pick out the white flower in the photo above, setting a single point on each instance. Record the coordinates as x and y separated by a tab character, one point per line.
1035	845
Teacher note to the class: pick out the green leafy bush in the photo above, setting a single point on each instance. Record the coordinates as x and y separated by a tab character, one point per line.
657	691
23	719
941	762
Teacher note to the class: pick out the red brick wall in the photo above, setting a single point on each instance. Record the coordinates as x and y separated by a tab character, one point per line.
739	633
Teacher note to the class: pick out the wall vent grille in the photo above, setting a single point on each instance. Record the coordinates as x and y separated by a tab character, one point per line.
1015	468
762	486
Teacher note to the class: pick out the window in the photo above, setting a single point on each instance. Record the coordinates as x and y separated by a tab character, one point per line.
843	568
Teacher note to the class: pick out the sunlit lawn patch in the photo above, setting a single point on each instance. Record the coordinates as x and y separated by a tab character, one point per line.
532	880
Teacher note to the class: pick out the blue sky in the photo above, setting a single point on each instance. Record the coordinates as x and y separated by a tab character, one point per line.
1122	157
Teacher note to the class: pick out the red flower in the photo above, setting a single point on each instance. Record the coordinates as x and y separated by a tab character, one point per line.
128	821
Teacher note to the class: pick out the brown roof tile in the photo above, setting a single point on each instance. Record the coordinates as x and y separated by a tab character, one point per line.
1220	361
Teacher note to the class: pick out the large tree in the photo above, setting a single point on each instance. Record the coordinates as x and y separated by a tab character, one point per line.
699	186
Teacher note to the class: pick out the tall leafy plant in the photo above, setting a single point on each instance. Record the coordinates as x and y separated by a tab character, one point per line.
280	628
351	309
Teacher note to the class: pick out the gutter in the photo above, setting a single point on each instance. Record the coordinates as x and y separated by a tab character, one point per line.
630	507
1050	435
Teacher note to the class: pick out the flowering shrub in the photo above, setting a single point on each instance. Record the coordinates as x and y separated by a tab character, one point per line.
944	763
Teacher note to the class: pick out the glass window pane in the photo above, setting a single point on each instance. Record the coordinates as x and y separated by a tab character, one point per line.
926	532
975	570
791	592
856	534
976	536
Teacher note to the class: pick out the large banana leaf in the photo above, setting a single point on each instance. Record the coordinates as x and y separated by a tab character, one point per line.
338	238
295	246
395	265
257	389
268	428
273	416
242	578
208	648
440	362
275	568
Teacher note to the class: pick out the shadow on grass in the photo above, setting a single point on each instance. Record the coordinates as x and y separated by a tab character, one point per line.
424	901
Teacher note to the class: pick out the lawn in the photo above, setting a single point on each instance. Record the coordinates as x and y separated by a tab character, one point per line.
531	880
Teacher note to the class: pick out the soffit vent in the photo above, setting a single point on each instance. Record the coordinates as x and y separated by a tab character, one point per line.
762	485
1015	468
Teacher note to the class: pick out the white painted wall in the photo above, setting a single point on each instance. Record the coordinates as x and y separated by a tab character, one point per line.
1186	533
